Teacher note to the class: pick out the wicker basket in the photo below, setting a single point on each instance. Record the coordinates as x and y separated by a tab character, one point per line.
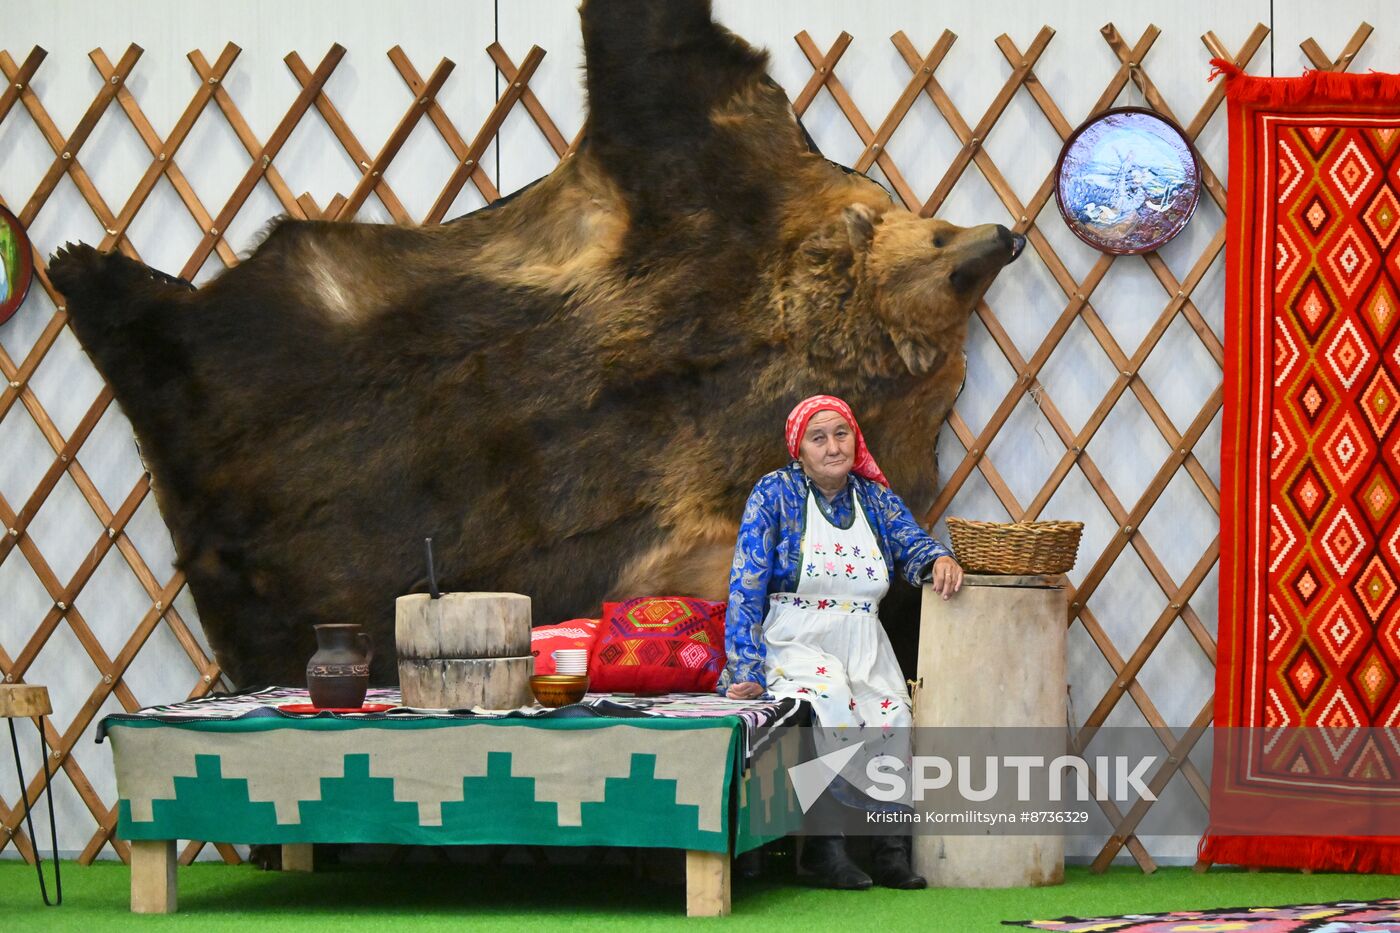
1016	547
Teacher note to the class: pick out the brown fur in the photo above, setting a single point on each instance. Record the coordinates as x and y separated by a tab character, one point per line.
572	391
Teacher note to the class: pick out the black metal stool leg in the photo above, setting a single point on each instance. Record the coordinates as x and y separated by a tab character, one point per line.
29	816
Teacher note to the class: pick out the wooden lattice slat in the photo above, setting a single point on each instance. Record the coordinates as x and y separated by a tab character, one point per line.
1079	307
472	158
163	150
166	153
532	103
262	160
245	136
347	140
375	170
18	101
156	146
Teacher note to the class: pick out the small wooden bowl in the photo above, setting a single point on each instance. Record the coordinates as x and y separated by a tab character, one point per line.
559	689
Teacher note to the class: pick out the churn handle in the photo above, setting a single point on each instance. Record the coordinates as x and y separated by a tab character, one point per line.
367	645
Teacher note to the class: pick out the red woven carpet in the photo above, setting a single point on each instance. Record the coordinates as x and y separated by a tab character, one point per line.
1310	522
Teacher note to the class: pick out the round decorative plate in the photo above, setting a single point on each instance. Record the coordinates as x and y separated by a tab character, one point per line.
1128	181
16	264
306	709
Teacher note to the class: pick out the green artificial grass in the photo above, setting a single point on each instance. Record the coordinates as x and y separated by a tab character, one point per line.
216	897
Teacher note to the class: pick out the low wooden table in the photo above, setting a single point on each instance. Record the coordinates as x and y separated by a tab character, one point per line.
237	770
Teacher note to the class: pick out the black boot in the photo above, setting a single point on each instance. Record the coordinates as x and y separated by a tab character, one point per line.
749	865
825	857
891	857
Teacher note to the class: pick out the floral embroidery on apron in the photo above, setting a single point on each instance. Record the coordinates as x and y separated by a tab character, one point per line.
825	643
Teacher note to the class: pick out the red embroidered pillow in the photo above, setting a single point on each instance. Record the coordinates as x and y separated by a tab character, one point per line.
547	639
658	644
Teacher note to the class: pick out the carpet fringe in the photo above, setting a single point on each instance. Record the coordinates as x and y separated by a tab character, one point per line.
1310	87
1361	854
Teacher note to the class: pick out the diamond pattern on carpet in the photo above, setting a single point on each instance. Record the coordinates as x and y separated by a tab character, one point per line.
1339	917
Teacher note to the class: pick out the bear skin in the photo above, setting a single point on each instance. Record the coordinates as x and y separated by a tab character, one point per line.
571	391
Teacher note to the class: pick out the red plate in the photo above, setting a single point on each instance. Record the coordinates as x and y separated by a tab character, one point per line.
308	709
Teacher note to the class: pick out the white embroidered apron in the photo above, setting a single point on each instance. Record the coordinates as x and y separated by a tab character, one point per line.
825	643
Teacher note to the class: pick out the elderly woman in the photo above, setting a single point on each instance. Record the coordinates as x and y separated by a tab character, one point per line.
819	542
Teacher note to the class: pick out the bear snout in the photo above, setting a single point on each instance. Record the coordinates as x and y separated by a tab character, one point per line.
1014	242
988	249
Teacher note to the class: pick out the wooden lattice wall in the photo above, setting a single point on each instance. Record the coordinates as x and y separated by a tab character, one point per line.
211	100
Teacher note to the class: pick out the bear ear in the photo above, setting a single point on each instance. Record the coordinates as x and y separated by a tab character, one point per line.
860	225
919	357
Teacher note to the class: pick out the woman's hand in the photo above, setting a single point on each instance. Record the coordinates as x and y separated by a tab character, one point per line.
744	691
947	576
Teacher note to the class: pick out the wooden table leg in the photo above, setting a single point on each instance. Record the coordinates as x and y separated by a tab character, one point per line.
153	876
297	856
706	884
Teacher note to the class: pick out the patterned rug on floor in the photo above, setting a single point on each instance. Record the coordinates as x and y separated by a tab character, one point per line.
1339	917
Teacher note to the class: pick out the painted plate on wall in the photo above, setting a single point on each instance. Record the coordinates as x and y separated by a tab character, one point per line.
1128	181
16	264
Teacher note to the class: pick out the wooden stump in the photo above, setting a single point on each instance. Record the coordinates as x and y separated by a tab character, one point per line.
1014	628
464	650
462	683
462	625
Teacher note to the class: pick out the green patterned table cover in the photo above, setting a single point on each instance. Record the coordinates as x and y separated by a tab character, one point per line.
649	782
768	807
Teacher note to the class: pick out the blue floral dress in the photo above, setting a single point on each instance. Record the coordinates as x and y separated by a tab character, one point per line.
767	556
820	638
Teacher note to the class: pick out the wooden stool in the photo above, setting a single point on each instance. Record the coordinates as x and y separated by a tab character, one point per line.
25	701
1014	625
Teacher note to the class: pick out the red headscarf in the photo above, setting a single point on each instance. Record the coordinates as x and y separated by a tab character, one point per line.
797	426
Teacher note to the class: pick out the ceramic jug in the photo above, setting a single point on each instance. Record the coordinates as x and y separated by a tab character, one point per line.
337	675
